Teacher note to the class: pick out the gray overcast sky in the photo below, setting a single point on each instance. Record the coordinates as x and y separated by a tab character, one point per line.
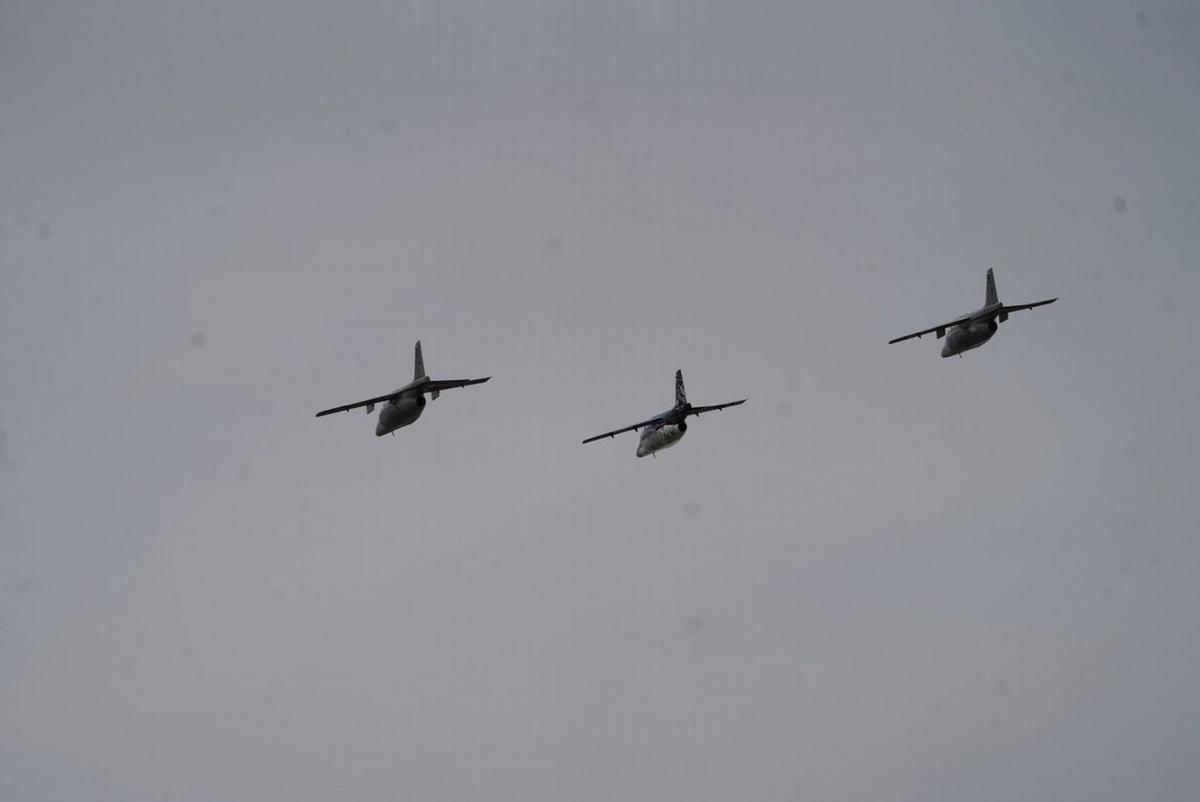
887	576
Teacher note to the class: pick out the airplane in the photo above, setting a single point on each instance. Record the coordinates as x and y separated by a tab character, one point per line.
974	328
403	406
665	430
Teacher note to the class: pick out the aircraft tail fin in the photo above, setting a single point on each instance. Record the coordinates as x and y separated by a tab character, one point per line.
992	297
418	364
680	393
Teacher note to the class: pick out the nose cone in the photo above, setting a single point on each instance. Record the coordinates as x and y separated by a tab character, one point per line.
380	429
947	351
642	450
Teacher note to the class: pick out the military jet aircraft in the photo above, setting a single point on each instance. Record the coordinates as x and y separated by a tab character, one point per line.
975	328
403	406
665	430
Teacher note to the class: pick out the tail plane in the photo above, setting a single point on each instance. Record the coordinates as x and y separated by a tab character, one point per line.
680	393
418	363
991	297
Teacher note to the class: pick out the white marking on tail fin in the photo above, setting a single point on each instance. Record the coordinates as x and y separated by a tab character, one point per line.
680	393
418	364
991	297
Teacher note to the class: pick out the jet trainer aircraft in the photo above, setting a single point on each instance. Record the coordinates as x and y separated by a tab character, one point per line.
665	430
975	328
403	406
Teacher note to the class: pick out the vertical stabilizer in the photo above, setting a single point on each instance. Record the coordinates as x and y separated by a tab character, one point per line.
680	393
992	297
418	364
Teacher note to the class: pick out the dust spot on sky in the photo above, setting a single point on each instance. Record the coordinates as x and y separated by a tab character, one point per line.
164	76
3	445
783	410
219	213
387	126
1130	451
1125	567
1004	183
1000	687
585	107
1168	306
691	509
28	586
696	767
1120	205
1143	19
554	246
235	40
1106	592
694	625
808	69
197	339
1068	208
44	231
1068	77
1158	559
952	427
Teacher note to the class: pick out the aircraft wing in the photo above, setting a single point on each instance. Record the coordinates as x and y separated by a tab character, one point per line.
450	384
358	404
622	430
699	410
1003	310
425	387
941	330
1018	307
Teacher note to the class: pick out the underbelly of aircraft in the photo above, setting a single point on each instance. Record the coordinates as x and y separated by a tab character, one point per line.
660	438
395	415
959	340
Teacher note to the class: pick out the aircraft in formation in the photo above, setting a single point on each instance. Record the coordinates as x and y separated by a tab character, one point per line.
668	428
403	406
974	328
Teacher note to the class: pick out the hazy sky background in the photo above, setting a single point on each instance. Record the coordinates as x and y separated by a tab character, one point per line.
887	576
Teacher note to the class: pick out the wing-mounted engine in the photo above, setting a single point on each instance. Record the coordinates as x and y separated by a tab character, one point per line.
370	408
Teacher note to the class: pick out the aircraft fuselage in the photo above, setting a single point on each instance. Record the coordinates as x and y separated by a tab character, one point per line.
657	437
399	413
964	338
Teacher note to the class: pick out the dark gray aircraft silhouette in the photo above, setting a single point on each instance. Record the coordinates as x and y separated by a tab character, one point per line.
975	328
665	430
403	406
